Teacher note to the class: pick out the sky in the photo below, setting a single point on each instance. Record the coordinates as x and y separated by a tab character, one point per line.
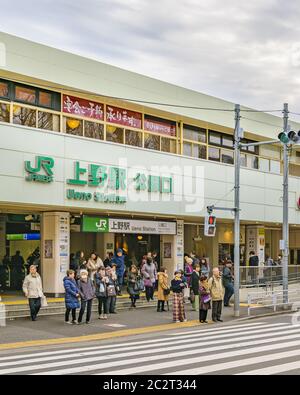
247	52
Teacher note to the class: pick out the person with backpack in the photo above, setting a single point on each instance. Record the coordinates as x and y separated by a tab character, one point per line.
134	285
101	292
163	289
216	289
112	290
87	294
71	296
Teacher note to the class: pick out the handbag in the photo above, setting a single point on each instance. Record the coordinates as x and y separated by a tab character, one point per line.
44	302
148	282
140	285
111	290
186	292
167	291
206	298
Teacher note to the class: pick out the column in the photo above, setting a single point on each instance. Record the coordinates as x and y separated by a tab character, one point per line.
55	251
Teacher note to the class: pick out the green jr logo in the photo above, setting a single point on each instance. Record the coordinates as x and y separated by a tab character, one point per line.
44	163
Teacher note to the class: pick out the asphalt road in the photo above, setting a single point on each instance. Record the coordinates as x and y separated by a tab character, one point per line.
257	347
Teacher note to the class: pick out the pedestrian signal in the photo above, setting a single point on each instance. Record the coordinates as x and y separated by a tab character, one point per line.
210	225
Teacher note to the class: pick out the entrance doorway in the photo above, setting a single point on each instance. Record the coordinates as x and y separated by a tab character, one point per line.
136	246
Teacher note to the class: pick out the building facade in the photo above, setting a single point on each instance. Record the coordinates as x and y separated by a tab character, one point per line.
89	160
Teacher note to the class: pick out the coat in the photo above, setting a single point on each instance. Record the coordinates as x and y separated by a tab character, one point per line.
120	262
162	284
227	277
204	292
32	286
216	289
133	284
101	286
195	277
71	292
86	289
149	273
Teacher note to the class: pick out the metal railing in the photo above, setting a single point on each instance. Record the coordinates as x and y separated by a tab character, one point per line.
273	300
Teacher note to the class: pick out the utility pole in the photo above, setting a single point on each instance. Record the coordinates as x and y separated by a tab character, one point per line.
237	212
285	224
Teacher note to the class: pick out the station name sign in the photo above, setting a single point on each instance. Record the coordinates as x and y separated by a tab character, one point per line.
110	182
114	225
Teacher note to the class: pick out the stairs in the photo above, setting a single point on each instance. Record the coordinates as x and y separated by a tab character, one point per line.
21	310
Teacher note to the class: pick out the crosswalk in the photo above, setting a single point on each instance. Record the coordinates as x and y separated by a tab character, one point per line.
252	348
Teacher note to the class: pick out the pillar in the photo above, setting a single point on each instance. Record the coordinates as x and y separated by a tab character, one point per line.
55	251
255	241
2	237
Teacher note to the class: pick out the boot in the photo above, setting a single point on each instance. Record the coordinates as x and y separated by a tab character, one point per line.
158	306
163	306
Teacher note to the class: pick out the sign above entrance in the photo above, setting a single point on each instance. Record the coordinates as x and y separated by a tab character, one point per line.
116	225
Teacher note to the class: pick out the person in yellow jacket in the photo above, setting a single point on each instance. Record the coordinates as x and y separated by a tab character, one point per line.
163	289
216	289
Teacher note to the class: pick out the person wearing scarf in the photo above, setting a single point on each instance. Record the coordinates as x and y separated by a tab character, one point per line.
177	286
204	299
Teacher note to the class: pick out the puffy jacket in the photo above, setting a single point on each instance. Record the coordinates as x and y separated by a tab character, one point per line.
71	289
120	262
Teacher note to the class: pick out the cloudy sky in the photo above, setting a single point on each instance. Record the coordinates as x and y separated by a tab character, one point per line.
243	51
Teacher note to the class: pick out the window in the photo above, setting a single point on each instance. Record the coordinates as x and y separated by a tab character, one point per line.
133	138
3	89
227	157
253	150
264	164
227	141
243	160
4	112
214	138
187	149
114	134
294	170
168	145
48	121
24	116
94	130
194	133
275	166
199	151
26	95
73	126
152	141
214	154
252	161
45	99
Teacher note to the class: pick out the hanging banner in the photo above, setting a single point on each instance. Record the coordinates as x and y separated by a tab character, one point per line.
161	126
82	107
123	117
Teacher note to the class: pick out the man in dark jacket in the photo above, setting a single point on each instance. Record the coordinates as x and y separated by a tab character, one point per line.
119	260
228	283
253	263
195	277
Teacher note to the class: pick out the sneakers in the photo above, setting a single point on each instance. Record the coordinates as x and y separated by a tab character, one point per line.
105	317
101	317
75	322
68	322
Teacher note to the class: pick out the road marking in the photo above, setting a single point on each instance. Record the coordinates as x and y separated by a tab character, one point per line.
286	367
122	350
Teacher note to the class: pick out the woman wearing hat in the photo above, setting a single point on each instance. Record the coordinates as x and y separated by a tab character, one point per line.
177	286
204	299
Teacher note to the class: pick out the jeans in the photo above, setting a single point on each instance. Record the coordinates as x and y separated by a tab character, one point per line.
120	279
102	305
111	304
149	293
67	315
35	305
216	309
84	304
229	291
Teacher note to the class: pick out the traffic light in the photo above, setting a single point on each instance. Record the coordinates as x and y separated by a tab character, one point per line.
210	225
290	137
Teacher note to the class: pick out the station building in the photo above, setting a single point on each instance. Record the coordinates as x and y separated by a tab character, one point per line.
91	159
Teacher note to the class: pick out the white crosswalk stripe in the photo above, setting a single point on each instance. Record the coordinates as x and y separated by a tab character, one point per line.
207	350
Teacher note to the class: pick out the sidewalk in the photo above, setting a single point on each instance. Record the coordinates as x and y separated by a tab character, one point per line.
53	330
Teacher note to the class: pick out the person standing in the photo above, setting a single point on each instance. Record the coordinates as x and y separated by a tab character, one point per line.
101	292
119	260
112	289
91	265
228	283
188	269
133	285
204	299
216	289
177	286
204	268
71	296
108	259
33	290
149	276
195	279
163	289
87	294
253	263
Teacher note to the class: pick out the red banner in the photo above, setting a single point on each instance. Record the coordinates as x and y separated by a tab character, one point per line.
123	117
83	107
153	125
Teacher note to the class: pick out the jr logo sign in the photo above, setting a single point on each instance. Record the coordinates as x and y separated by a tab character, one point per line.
43	163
